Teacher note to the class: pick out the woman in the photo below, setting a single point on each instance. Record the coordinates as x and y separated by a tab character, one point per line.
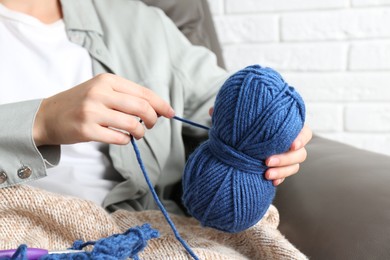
80	75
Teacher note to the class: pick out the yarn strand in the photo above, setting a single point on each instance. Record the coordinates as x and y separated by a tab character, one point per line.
191	123
159	204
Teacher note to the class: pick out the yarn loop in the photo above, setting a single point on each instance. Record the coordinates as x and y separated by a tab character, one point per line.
256	114
230	156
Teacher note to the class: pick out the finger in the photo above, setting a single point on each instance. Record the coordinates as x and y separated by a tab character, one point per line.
278	181
161	107
134	106
109	136
288	158
302	139
122	122
211	110
281	172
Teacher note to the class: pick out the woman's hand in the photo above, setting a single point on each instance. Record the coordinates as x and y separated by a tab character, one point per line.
287	164
106	109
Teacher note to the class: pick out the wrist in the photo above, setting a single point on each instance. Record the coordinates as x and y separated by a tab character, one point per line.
38	126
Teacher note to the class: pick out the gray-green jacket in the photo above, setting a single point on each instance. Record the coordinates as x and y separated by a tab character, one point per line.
139	43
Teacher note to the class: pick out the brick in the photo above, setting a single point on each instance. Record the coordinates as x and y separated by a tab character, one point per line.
370	2
248	28
378	143
367	117
336	24
243	6
324	117
370	56
341	86
288	57
216	6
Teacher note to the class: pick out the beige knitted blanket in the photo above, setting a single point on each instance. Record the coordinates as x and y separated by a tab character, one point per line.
46	220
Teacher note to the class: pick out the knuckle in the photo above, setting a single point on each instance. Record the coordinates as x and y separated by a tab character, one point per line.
95	91
103	80
146	93
143	107
105	77
139	131
131	125
153	121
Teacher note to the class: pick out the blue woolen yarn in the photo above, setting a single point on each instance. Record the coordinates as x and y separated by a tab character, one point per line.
256	114
116	247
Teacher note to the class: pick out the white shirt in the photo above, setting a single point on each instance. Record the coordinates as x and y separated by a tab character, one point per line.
36	61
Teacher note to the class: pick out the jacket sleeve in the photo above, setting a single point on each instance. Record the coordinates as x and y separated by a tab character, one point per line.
197	70
20	159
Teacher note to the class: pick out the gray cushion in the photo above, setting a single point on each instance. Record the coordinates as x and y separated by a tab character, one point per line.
194	20
338	206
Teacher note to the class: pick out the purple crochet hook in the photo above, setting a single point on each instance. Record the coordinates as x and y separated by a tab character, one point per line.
35	253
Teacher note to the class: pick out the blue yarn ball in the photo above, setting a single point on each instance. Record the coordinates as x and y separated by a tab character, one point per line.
256	114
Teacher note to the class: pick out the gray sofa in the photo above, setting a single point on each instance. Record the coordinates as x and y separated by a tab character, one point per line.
338	206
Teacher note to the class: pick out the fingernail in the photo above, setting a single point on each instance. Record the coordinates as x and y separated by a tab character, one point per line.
274	161
270	175
171	112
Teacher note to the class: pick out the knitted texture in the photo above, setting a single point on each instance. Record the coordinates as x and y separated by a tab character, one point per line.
115	247
42	219
256	114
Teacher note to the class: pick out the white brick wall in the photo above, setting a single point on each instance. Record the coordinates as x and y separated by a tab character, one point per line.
370	55
370	2
242	6
336	53
342	24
